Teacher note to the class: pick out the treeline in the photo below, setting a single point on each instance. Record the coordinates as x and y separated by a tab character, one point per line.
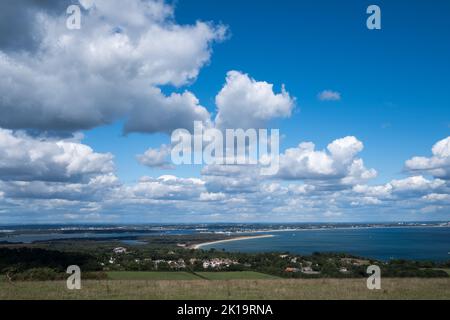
28	258
50	264
42	264
322	265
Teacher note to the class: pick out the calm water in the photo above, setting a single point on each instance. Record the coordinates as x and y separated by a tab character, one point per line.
432	243
30	238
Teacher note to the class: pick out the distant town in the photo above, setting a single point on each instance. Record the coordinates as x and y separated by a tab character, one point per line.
8	233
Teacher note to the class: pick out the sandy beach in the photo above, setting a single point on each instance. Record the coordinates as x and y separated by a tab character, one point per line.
200	245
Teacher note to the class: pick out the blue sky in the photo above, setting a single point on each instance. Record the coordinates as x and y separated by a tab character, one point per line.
394	82
393	85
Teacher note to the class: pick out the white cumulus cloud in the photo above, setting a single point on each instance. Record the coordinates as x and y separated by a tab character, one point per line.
108	70
246	103
339	165
438	165
25	158
156	158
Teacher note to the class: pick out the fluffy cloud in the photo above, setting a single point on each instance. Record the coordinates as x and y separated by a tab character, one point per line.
437	197
156	158
209	196
48	169
127	57
24	158
96	189
113	69
233	179
438	165
403	189
416	184
22	17
83	186
337	166
383	191
328	95
246	103
164	188
434	193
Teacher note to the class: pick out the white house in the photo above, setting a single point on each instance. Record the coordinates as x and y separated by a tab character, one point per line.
120	250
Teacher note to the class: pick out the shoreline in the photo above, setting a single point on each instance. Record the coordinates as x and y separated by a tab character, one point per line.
200	245
328	229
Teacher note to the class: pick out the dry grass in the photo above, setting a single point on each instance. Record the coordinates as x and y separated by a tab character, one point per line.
231	289
129	275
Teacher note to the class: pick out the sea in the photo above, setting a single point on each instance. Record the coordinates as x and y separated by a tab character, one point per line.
382	243
411	243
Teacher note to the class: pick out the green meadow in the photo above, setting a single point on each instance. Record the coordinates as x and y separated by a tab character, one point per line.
246	275
126	275
245	286
243	275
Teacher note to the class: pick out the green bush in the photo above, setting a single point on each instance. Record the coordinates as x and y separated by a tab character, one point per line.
37	274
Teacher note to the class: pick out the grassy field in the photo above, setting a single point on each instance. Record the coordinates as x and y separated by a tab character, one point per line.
230	289
244	275
151	276
247	275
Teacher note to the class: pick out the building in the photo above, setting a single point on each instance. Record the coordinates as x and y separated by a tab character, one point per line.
218	263
309	270
120	250
180	264
355	262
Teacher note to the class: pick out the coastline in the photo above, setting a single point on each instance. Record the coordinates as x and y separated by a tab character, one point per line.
200	245
333	228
